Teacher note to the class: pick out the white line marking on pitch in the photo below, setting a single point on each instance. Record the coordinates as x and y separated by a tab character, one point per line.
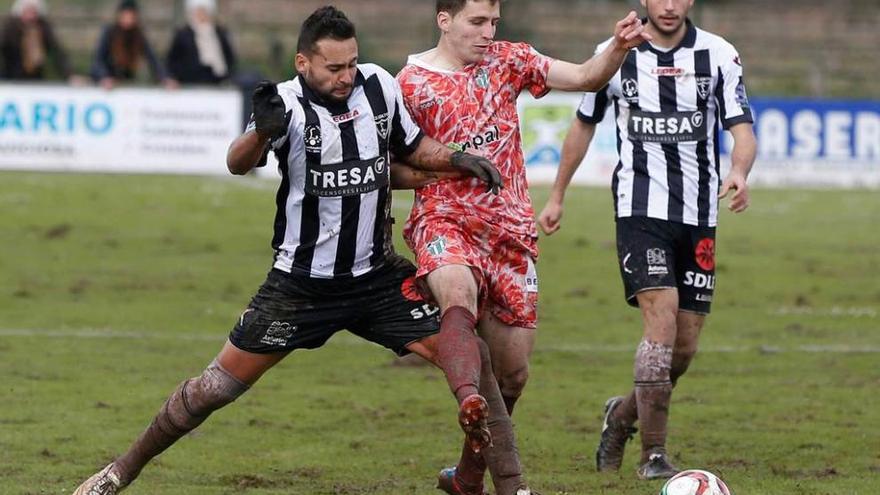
349	339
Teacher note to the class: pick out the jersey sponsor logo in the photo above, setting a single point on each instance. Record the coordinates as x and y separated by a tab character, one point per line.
667	127
312	138
481	77
630	89
347	178
704	254
699	280
345	117
278	333
382	124
704	86
656	261
668	71
437	246
423	311
489	136
430	103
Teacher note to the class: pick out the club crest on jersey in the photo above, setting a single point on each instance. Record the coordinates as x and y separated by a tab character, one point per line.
312	138
482	78
437	246
382	124
630	89
704	83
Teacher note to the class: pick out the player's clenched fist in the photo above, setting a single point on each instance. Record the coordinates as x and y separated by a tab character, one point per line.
630	32
269	112
479	167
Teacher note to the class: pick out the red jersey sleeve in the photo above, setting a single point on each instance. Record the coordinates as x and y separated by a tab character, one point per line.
529	68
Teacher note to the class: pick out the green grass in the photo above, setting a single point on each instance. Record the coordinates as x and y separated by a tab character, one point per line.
114	288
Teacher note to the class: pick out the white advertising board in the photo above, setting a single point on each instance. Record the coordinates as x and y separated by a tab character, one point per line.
124	130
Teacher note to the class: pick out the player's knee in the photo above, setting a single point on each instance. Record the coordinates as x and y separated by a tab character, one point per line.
210	391
512	382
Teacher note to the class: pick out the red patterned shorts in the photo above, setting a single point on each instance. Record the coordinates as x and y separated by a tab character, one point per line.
503	262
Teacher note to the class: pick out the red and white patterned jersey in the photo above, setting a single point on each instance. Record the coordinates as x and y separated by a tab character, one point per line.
474	110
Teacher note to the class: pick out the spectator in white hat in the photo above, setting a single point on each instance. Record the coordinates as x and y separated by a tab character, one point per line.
201	52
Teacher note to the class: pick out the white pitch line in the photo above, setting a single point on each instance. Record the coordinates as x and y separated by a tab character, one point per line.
349	339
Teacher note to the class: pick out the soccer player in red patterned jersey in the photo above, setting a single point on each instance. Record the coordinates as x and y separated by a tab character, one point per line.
476	250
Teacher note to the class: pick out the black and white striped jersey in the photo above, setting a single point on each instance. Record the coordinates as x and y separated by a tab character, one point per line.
668	107
334	205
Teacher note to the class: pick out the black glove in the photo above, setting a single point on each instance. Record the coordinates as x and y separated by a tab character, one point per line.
479	167
269	116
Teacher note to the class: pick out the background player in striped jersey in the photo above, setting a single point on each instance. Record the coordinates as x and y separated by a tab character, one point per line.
332	129
476	251
670	95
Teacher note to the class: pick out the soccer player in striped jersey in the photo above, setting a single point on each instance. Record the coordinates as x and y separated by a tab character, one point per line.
670	97
333	129
475	250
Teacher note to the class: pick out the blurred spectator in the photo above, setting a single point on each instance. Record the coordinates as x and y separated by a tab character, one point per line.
28	41
201	52
123	48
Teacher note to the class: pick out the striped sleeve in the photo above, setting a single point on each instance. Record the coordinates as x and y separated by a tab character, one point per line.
405	134
593	106
730	91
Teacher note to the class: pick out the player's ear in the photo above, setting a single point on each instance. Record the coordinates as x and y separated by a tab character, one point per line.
301	63
443	21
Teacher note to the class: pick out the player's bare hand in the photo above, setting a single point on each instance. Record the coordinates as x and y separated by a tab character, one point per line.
739	200
550	217
269	112
630	32
479	167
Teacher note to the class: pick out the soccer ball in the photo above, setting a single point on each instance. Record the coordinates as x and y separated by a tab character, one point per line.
695	482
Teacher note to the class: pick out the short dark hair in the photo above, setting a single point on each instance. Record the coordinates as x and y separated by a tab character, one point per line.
326	22
453	7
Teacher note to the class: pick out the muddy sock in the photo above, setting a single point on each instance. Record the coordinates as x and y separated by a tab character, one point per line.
458	351
653	391
502	458
627	412
190	404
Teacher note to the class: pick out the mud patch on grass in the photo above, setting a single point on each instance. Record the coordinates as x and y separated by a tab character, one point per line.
59	231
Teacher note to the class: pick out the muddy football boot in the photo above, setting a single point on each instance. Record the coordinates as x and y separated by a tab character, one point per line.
657	468
104	482
449	483
609	454
473	417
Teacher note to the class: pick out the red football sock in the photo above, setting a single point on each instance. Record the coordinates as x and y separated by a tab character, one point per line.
458	351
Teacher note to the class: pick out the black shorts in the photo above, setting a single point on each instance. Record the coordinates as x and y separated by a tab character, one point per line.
657	254
296	312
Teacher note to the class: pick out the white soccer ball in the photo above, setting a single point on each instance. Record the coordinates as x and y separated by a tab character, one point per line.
695	482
